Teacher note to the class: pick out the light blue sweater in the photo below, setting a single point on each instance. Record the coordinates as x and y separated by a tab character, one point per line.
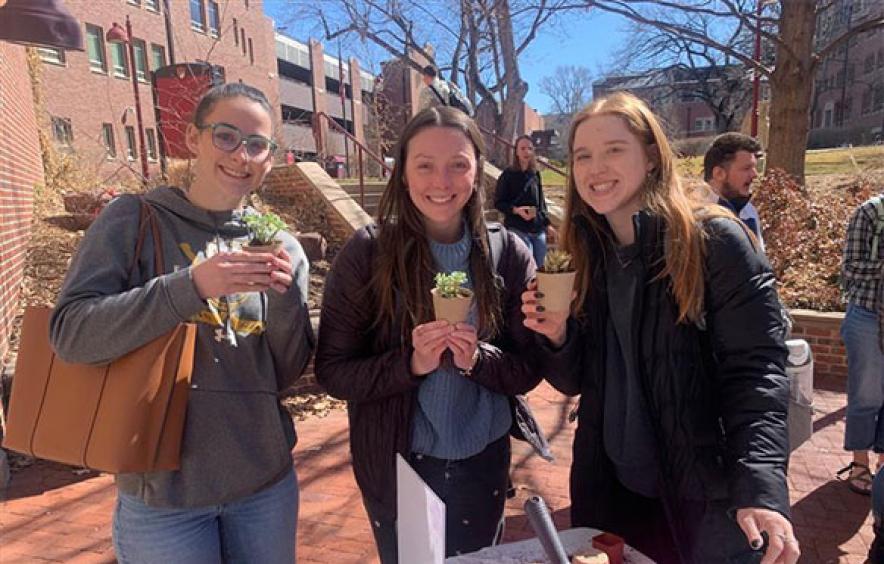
455	417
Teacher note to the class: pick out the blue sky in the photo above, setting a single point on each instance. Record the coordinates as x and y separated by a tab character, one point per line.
587	40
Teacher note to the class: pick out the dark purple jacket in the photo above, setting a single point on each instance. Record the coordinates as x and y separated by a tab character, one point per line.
373	374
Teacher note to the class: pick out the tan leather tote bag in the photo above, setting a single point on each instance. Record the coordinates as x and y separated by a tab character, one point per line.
125	416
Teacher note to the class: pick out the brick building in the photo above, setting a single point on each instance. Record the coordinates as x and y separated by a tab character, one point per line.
696	102
309	84
21	170
848	101
89	96
401	87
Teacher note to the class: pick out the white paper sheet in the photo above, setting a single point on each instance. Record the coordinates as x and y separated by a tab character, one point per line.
421	518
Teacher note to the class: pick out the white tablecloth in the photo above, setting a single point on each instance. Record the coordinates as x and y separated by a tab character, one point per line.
575	541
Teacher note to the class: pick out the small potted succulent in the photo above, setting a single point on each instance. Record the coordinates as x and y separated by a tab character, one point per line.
263	229
451	301
555	280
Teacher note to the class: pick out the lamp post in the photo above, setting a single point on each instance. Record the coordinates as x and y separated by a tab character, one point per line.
116	34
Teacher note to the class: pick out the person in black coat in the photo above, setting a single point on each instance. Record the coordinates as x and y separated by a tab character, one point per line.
519	197
675	344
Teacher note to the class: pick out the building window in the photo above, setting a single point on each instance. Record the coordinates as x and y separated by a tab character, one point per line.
50	55
151	144
251	52
703	124
152	5
95	48
120	60
62	131
140	59
214	18
247	4
197	15
157	56
235	32
107	139
242	39
134	2
130	142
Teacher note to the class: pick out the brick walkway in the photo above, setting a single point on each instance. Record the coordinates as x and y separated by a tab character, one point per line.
52	513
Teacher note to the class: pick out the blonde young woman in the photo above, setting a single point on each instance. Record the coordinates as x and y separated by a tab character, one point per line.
675	344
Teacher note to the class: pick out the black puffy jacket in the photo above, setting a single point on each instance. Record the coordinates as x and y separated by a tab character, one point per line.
717	395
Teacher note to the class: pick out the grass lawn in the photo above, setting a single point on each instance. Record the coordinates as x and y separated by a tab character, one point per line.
846	160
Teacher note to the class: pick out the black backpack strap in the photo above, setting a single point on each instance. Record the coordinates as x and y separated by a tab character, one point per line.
497	241
436	92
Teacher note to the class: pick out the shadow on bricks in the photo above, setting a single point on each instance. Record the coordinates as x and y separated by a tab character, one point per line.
829	517
43	476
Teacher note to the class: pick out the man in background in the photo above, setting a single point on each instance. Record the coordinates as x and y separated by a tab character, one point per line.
729	167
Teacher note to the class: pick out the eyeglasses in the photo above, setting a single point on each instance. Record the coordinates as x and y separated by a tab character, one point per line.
229	138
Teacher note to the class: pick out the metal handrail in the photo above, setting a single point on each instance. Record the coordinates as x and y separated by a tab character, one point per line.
360	149
512	147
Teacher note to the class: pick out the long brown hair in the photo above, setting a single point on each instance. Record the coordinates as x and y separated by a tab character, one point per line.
403	261
517	163
662	194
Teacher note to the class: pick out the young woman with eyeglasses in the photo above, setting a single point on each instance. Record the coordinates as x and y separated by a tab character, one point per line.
235	496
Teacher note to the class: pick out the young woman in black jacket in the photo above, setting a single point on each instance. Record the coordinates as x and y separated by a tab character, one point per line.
675	344
434	392
519	197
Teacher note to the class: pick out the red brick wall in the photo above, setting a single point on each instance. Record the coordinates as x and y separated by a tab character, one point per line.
89	98
283	179
821	331
21	168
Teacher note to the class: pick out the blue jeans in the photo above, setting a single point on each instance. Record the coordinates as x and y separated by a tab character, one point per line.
257	528
865	380
536	244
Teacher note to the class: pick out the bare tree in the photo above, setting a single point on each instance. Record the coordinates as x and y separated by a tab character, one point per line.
684	69
790	28
476	42
569	87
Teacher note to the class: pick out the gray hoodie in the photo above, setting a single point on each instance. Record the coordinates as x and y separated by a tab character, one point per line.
237	438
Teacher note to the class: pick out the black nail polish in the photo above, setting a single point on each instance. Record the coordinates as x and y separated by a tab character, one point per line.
538	294
540	308
756	544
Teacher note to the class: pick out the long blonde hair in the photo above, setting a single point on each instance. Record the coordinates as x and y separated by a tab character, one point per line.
404	263
662	194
